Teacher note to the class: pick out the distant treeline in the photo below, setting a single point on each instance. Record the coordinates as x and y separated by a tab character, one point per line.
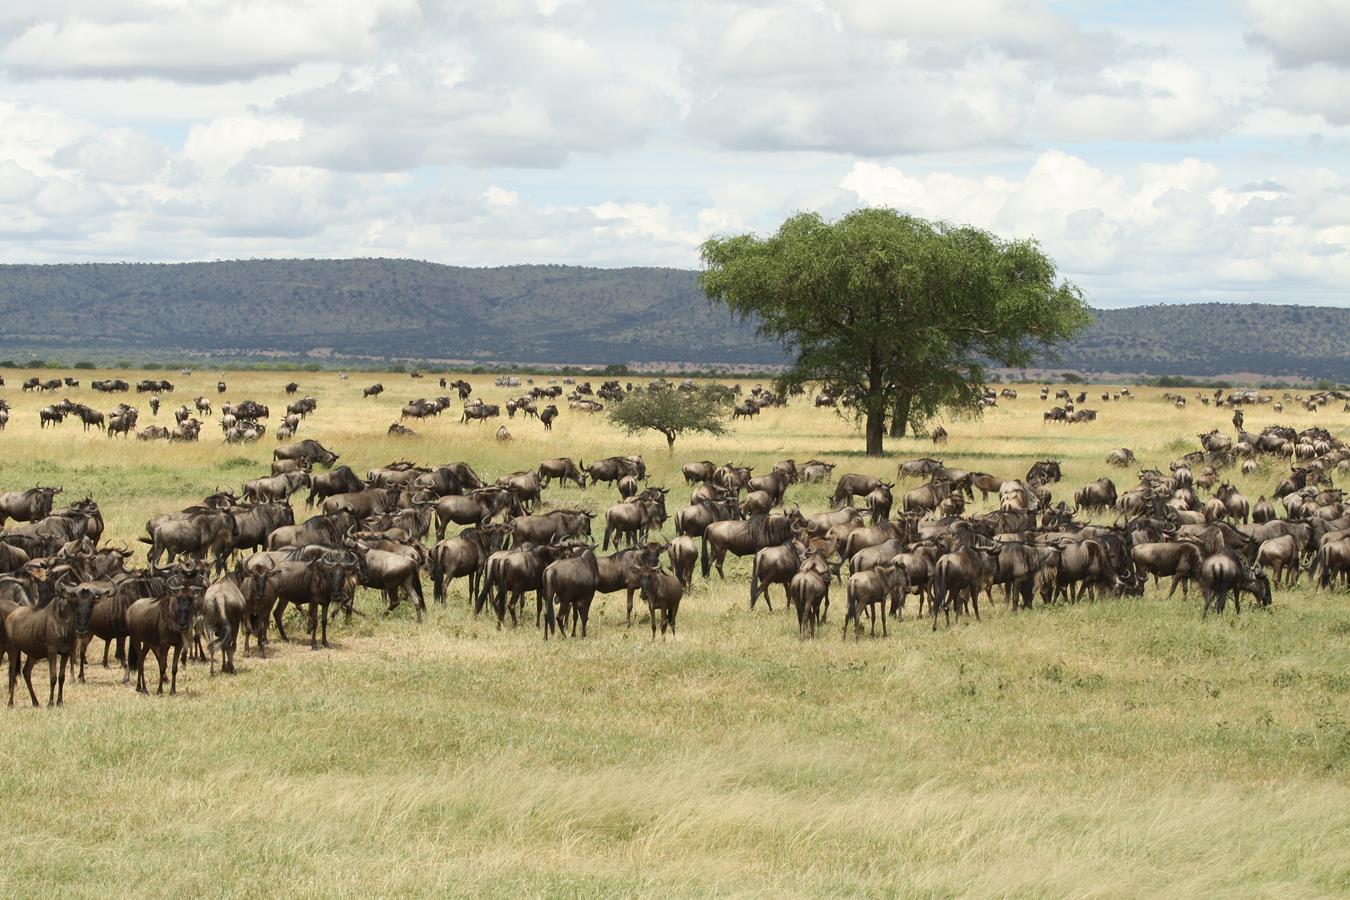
367	312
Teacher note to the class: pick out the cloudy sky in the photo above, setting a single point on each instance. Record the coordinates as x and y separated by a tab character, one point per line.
1161	151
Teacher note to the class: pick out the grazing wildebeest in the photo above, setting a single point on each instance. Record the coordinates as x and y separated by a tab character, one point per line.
851	486
816	472
1120	457
480	412
310	449
1227	571
1044	471
562	468
1181	560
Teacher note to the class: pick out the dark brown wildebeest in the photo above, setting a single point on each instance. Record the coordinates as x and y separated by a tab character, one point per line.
774	565
562	469
957	579
1095	497
927	497
744	538
879	503
809	593
939	437
698	472
1280	555
510	574
1227	571
693	519
1236	506
464	555
870	589
524	487
194	532
633	519
31	505
341	480
310	449
391	573
477	506
662	593
775	484
567	588
316	583
480	412
46	633
613	468
253	524
1180	559
547	415
374	390
156	624
853	485
551	527
1263	511
1046	470
1121	457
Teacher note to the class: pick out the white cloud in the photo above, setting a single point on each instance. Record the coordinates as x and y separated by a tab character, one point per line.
1301	32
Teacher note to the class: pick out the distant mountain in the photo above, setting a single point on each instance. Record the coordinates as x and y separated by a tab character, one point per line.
403	309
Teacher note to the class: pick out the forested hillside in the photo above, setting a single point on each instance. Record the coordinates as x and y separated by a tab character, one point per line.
383	309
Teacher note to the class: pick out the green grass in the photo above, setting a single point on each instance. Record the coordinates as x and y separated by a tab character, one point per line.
1119	748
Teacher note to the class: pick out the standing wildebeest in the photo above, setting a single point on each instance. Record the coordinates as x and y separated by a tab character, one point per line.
816	472
809	592
693	519
510	574
480	412
464	555
194	532
957	579
1097	496
851	486
562	469
1227	571
547	415
698	472
633	519
1181	560
613	468
316	583
341	480
310	449
392	573
31	505
569	586
275	487
1236	506
1281	555
46	633
774	565
477	506
683	553
918	468
155	624
870	589
374	390
1121	457
662	593
744	538
222	610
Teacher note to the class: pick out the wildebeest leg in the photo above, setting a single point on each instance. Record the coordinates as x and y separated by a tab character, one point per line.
276	616
162	658
173	682
313	626
325	625
63	660
630	607
884	632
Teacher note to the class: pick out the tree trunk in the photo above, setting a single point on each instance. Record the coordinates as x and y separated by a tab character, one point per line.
900	416
670	441
876	431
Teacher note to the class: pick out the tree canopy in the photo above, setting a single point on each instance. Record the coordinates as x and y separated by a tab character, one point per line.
672	412
900	314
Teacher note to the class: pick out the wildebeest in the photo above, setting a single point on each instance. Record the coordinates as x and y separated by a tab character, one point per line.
744	538
31	505
870	589
561	468
662	592
567	588
463	556
809	593
547	415
1097	496
1227	571
45	633
853	485
341	480
1181	560
509	574
195	532
158	624
374	390
275	487
310	450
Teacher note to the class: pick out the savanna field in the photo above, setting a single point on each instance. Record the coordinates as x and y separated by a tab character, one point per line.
1118	748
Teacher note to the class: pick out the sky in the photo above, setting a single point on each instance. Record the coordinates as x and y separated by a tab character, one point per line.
1159	151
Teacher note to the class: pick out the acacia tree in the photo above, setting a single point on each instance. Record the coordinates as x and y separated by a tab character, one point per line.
672	412
900	314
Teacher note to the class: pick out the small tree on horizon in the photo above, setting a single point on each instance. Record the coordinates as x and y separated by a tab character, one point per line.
672	413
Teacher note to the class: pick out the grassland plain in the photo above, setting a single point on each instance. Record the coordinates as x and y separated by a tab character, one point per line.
1118	748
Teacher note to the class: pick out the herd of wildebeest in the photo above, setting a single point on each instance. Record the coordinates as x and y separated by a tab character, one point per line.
237	559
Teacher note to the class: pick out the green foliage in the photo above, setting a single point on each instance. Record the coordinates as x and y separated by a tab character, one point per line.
898	312
672	412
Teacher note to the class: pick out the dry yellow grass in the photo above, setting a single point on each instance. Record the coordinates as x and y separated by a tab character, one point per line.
1120	748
